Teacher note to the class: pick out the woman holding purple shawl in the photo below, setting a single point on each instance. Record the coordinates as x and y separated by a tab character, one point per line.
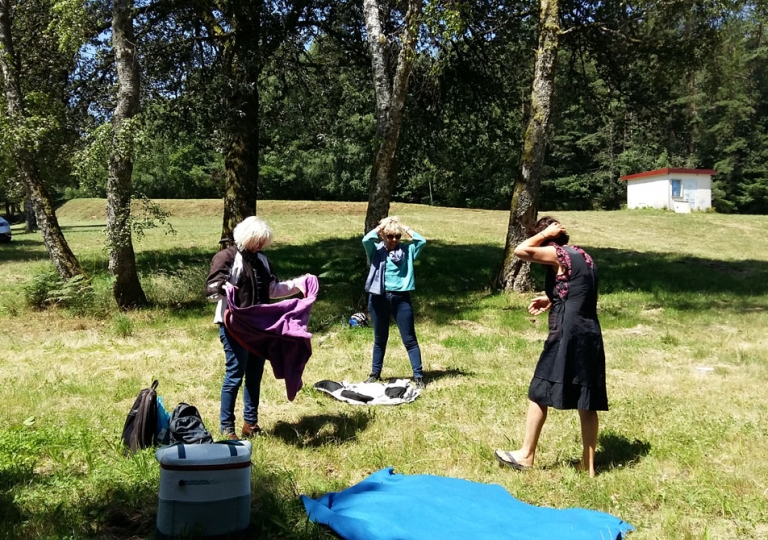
246	267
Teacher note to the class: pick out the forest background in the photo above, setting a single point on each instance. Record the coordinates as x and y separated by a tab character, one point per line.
680	83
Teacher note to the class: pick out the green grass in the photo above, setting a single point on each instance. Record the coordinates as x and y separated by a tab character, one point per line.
682	451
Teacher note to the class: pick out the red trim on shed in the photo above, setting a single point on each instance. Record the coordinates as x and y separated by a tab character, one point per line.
658	172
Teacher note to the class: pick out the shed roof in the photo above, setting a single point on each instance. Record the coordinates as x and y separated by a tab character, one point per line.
659	172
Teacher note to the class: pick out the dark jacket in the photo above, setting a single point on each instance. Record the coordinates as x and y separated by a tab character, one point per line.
253	276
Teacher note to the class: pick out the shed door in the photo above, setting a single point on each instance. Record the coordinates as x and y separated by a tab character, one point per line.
689	192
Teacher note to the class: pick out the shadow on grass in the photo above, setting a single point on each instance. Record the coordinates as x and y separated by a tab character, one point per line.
23	250
323	429
124	513
115	514
277	511
92	227
130	511
613	451
671	273
618	451
447	276
10	514
437	374
450	278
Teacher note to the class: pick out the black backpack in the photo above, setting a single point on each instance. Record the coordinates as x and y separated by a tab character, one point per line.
140	429
186	426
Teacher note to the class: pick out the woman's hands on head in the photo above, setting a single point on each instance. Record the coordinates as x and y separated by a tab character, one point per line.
393	223
537	248
553	230
389	221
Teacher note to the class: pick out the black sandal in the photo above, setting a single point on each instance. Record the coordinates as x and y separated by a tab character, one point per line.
507	460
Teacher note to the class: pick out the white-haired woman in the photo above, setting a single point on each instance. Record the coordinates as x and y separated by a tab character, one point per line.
389	285
246	267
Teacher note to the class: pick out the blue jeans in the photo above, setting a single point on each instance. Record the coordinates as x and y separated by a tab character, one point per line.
381	308
239	364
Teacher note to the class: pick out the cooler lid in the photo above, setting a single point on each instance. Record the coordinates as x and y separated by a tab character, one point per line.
218	453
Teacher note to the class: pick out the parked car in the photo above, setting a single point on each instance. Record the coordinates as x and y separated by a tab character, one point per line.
5	231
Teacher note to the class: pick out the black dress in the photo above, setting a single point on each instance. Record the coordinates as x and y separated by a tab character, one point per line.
571	369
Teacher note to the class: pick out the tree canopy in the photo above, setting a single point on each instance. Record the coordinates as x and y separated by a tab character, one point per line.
288	87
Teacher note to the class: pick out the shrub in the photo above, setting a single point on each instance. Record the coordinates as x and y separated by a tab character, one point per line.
48	289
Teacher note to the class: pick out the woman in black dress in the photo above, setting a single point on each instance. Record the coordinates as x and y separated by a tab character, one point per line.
570	373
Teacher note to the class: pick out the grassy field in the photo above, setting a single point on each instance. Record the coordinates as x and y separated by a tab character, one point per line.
682	452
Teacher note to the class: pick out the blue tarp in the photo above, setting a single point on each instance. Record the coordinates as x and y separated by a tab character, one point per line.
388	506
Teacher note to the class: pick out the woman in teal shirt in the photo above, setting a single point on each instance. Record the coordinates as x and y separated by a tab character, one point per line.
389	285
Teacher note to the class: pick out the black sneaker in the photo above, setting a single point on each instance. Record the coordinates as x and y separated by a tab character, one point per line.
419	383
373	377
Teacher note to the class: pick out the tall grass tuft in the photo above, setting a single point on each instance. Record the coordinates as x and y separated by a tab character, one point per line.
121	325
178	287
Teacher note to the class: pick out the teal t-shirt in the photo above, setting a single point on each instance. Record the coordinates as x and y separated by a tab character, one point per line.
398	277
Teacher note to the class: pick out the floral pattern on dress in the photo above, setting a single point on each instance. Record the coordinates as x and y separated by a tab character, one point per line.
564	259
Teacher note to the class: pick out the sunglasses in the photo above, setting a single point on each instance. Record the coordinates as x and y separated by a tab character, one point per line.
393	236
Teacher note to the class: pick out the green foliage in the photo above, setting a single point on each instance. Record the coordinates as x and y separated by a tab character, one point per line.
318	127
73	21
90	162
149	216
178	168
446	21
47	289
19	450
734	118
37	288
47	128
661	84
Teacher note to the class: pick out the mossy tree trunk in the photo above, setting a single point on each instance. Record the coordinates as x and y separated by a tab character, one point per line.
122	259
390	92
515	274
242	62
244	36
241	164
61	255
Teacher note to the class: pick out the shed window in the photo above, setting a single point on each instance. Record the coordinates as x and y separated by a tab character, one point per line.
676	188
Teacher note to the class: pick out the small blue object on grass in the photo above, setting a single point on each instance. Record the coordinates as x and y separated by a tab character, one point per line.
388	506
358	319
163	419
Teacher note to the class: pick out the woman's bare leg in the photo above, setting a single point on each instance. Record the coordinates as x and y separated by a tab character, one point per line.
534	421
589	427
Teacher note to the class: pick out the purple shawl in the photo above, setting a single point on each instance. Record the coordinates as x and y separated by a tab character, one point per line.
277	332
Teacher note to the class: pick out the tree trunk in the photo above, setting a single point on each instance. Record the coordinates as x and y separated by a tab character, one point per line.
390	103
241	158
515	274
30	219
122	260
241	176
61	255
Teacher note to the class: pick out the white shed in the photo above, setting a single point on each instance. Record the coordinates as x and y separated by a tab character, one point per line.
681	190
